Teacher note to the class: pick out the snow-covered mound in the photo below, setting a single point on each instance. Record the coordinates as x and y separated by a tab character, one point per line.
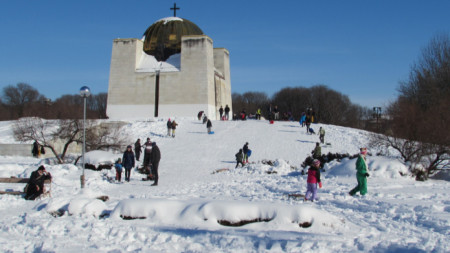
99	157
381	167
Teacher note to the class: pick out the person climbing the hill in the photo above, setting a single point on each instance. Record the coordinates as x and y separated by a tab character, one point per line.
239	158
209	126
308	123
35	186
322	135
128	162
258	114
245	150
174	126
313	180
317	152
169	127
118	166
137	149
303	119
361	173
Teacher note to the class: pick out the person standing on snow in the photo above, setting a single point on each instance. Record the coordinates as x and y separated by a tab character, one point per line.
313	180
258	114
322	135
239	158
155	157
118	166
169	127
308	123
221	112
128	162
361	173
245	150
147	152
137	149
227	112
174	126
208	126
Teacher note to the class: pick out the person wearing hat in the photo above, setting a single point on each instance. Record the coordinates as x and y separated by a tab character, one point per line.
128	162
35	186
313	180
361	173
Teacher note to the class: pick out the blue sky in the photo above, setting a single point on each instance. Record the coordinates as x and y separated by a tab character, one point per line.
359	48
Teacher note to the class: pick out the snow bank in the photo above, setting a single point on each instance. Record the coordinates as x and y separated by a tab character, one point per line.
382	167
99	157
210	213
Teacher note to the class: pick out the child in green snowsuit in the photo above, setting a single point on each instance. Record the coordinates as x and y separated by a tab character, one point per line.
361	174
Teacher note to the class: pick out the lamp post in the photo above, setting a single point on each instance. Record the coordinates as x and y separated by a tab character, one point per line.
84	93
157	71
377	115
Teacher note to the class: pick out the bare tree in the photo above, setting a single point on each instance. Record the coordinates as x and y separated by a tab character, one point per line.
419	127
46	133
19	96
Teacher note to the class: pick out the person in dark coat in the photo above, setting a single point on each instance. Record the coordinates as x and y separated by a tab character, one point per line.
221	112
35	150
128	162
35	186
137	149
174	126
208	126
155	157
169	127
239	158
147	151
245	149
227	112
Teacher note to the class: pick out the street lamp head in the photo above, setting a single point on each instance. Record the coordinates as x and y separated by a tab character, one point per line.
85	92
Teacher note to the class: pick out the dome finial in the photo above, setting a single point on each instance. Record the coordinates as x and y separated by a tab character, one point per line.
175	8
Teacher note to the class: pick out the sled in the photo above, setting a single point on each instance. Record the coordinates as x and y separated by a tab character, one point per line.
271	122
249	152
220	170
212	132
297	196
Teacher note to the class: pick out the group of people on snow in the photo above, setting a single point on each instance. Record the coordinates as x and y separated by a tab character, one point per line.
171	126
362	174
226	111
152	156
243	155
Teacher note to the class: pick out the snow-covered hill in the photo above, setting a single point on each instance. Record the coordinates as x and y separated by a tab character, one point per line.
193	205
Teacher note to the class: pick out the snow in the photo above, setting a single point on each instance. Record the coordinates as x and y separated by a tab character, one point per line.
148	63
99	157
199	189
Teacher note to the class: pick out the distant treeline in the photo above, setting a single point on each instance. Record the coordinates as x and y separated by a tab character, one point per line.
23	100
329	106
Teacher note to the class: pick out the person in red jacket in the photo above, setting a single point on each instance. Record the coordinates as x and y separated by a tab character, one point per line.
313	180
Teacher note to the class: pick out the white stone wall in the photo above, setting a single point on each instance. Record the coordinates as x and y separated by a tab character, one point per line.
184	93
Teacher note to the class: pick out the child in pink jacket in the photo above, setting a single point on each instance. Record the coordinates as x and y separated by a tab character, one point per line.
313	180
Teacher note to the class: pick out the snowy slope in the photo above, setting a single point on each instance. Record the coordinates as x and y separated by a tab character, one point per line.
182	214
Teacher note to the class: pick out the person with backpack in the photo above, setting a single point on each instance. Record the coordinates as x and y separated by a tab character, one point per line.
313	180
245	150
169	127
128	162
118	166
174	126
239	158
361	173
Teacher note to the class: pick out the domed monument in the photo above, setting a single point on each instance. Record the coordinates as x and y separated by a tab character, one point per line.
172	71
